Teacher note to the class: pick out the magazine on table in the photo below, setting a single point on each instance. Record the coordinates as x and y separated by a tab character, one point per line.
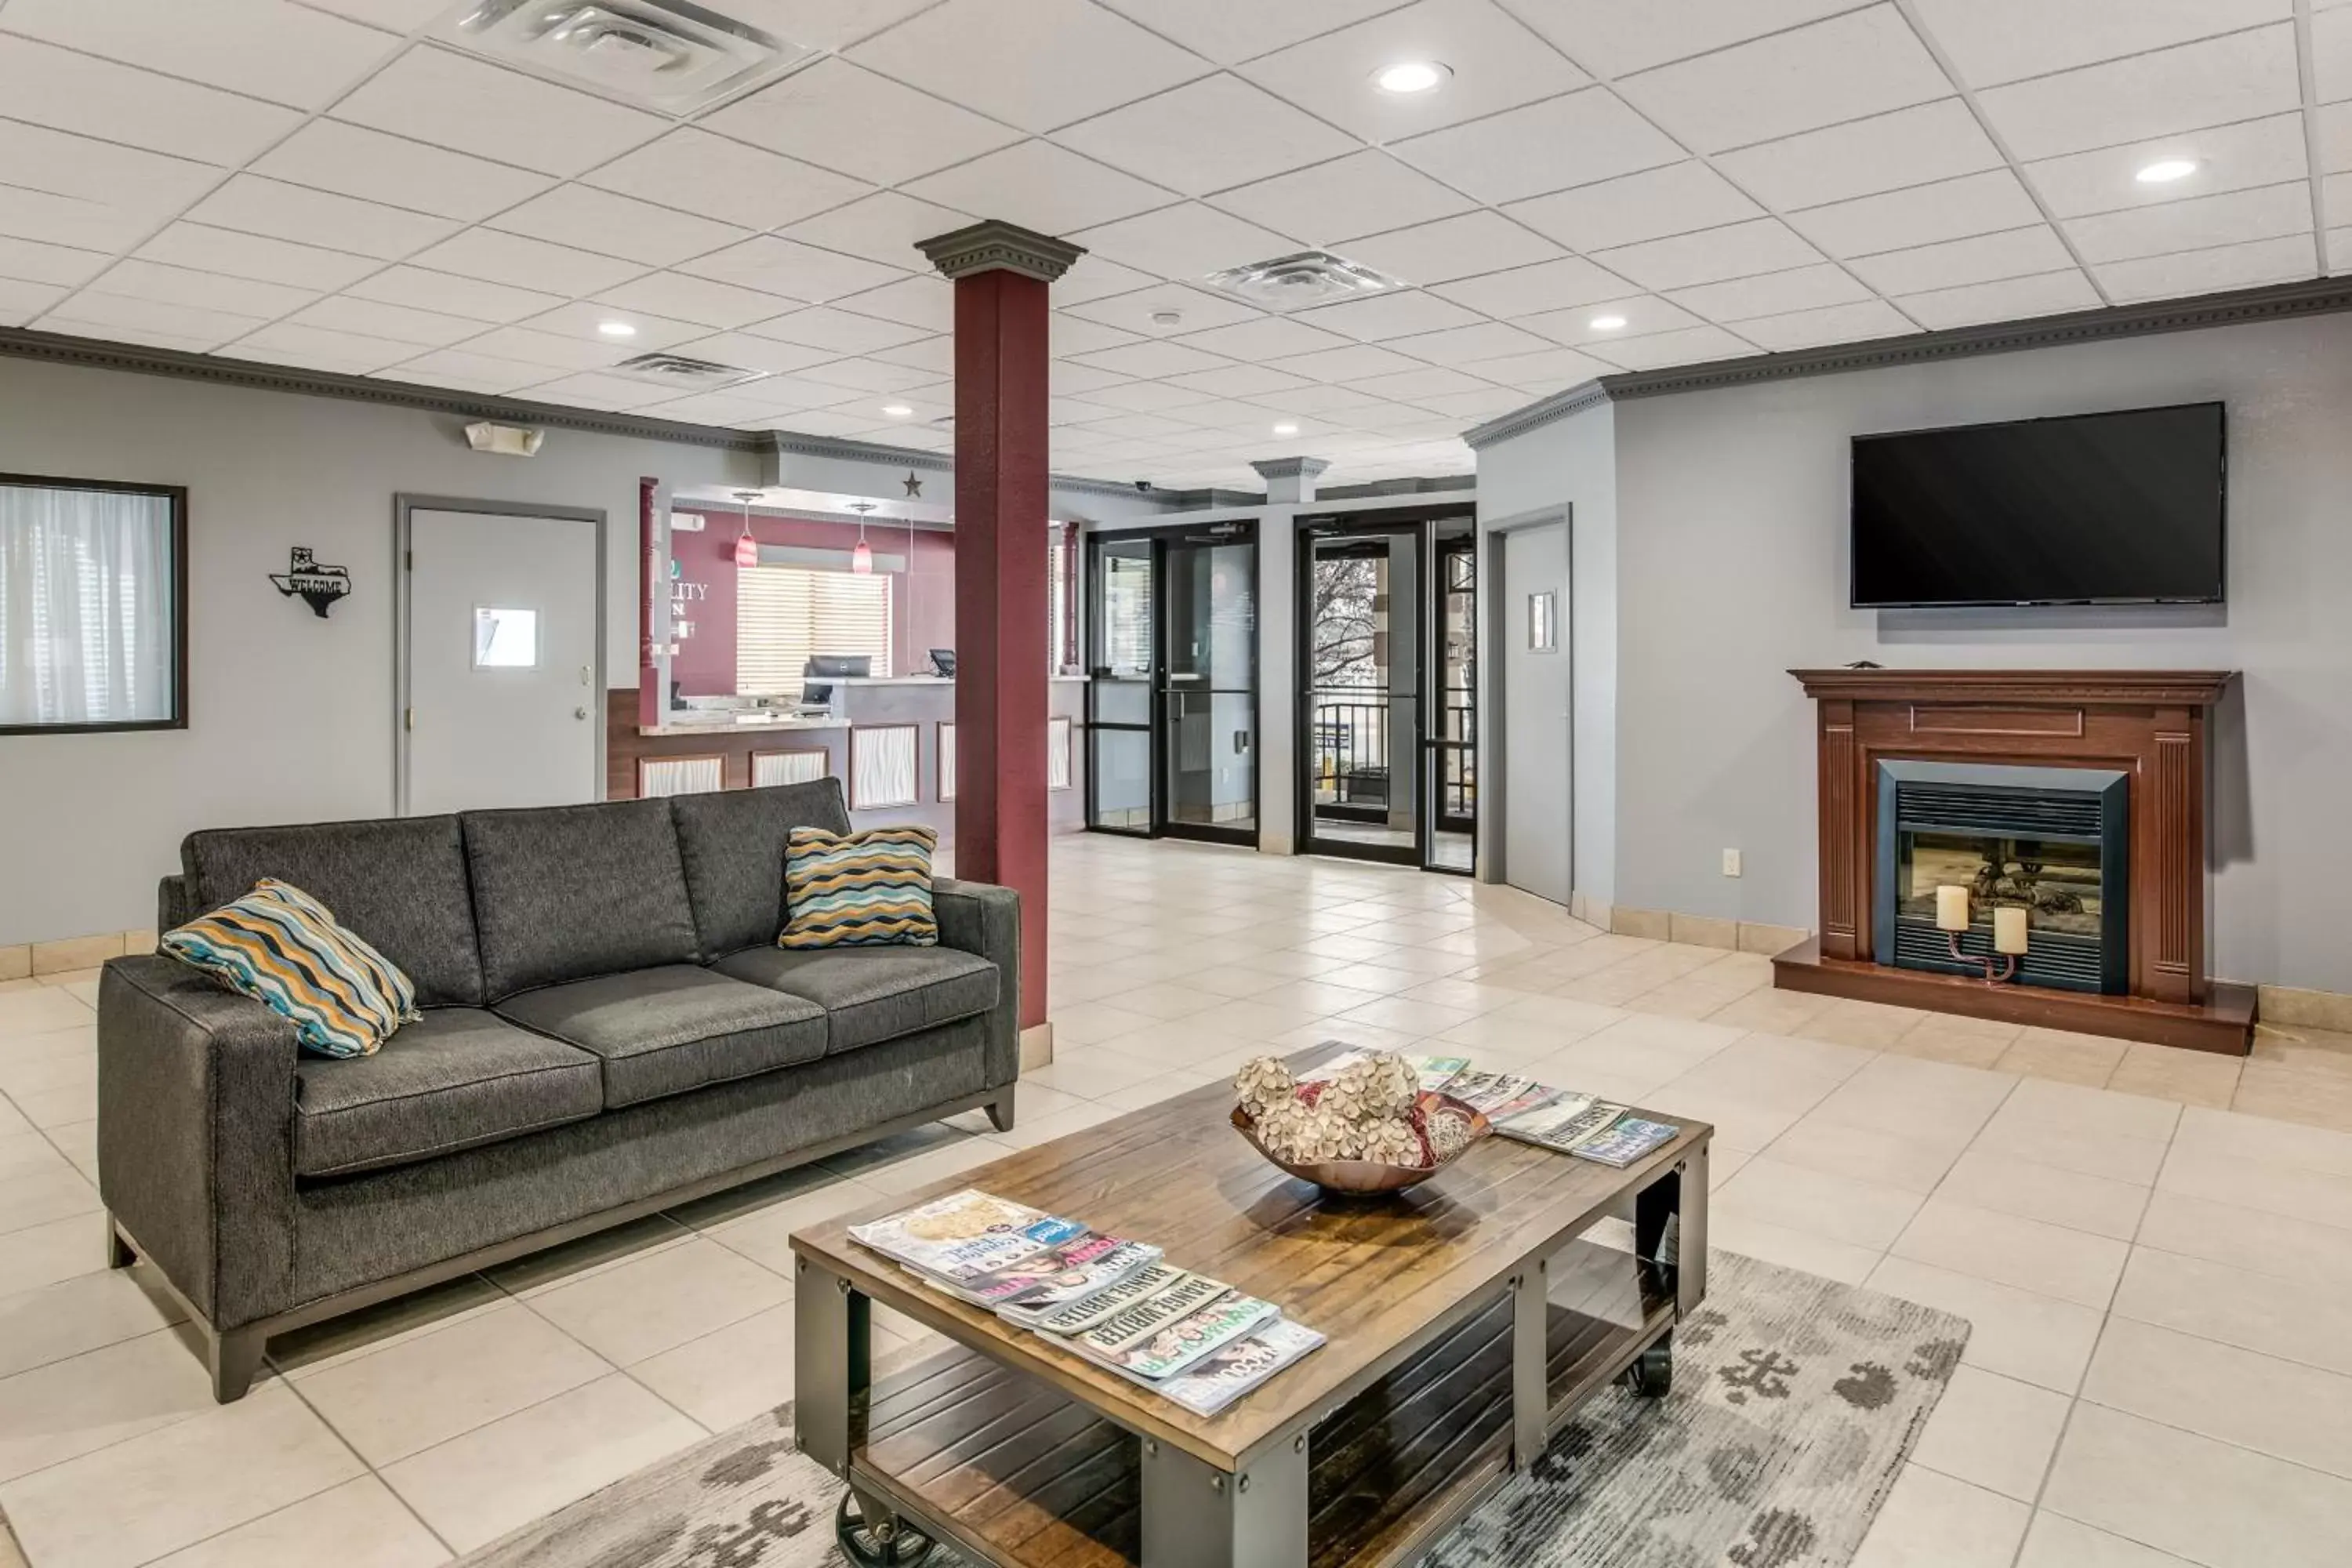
1497	1093
1626	1140
1437	1072
1070	1271
1077	1317
1561	1122
965	1235
1224	1374
1133	1325
1171	1349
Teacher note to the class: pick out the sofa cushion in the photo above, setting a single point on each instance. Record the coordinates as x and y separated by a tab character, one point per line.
457	1077
872	994
285	949
732	842
400	882
663	1031
564	892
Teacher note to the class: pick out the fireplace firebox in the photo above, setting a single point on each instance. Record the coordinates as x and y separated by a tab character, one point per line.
2054	843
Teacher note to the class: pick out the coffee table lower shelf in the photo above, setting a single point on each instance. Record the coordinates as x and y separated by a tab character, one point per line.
1012	1472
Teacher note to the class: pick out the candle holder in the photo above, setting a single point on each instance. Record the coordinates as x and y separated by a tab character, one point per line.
1998	967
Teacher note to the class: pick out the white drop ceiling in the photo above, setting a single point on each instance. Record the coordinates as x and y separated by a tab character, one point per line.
323	183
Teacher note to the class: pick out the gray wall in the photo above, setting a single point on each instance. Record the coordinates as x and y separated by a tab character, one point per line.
1731	513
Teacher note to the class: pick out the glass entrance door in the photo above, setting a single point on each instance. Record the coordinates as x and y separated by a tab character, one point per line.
1452	795
1123	661
1360	707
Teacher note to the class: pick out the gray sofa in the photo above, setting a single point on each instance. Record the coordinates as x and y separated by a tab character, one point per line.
609	1029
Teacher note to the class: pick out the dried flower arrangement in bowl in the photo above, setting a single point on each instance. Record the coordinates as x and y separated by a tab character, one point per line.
1369	1128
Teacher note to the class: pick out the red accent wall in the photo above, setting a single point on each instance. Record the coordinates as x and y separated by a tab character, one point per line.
922	602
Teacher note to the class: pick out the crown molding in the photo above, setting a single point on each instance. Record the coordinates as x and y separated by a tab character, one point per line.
2241	307
792	443
993	245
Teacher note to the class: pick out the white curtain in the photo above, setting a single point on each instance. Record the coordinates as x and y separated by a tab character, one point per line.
86	634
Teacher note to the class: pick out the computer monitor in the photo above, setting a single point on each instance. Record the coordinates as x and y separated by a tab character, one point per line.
944	660
840	665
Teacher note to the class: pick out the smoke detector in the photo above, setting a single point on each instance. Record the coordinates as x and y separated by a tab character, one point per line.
1294	282
683	374
667	55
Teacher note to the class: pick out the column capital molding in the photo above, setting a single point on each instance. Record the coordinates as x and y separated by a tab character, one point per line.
993	245
1289	468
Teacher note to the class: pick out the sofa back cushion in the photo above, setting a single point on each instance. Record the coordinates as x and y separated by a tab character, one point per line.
733	841
564	892
399	882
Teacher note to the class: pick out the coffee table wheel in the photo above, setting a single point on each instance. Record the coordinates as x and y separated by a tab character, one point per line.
1651	1375
888	1542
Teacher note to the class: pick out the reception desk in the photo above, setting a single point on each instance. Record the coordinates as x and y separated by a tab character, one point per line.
890	739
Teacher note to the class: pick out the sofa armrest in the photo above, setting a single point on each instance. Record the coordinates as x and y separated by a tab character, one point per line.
195	1134
984	919
176	898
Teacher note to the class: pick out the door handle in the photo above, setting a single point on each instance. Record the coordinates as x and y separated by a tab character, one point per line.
580	712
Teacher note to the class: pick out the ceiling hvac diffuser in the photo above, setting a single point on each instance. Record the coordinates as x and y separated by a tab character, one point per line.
667	55
683	373
1294	282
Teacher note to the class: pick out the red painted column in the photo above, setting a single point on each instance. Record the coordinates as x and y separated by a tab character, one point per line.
1001	275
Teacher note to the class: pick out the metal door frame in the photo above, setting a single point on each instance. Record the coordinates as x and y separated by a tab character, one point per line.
1494	538
403	506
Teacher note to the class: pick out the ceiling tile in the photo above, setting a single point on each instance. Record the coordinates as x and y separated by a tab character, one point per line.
591	390
1266	338
58	87
471	106
1092	278
2339	250
797	392
1065	379
395	323
784	267
525	263
1198	308
1614	39
698	300
823	24
1484	404
252	205
21	302
546	349
352	161
1240	381
583	319
1146	426
869	375
1184	241
2011	299
1138	397
1909	147
1572	140
446	293
1350	364
1863	63
1857	323
1497	63
1464	346
719	408
1692	345
71	190
1152	360
2331	54
838	331
252	256
1991	41
264	48
1065	59
936	355
755	352
1069	336
1676	199
697	171
2229	158
1040	187
208	290
884	227
1477	242
1362	194
1982	259
1899	220
1524	290
1410	383
1642	314
1552	367
1206	135
91	313
1393	315
1736	250
923	300
2206	271
393	16
837	116
2238	78
1773	293
1231	30
30	261
2197	222
319	348
619	225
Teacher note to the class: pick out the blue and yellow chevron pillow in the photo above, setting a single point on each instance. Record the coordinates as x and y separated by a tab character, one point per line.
282	947
859	889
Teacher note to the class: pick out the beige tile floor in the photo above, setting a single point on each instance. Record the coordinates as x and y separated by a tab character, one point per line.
2155	1249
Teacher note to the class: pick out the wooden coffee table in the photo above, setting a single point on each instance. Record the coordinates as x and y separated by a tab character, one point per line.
1466	1317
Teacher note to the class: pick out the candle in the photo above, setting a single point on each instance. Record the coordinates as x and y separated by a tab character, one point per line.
2009	929
1951	908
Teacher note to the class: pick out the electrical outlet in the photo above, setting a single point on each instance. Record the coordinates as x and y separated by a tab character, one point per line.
1731	862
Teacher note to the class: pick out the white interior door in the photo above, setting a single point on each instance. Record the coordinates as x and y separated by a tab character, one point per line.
502	698
1535	729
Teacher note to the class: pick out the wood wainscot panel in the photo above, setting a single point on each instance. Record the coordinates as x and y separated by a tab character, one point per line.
1940	719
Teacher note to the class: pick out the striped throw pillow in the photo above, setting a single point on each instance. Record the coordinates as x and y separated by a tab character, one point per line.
282	947
853	889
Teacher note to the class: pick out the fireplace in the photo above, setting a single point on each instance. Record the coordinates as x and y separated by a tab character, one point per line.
2054	843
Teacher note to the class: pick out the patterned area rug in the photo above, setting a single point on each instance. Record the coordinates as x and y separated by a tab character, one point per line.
1795	1401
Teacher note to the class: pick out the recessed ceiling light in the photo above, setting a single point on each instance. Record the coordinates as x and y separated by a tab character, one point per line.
2164	171
616	329
1607	323
1407	76
1285	428
897	410
1167	318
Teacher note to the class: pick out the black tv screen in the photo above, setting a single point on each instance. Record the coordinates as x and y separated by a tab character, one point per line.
2090	509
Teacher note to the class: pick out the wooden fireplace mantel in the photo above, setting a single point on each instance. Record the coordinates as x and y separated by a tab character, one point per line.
2150	724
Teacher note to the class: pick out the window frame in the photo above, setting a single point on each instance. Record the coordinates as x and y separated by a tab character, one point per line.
177	495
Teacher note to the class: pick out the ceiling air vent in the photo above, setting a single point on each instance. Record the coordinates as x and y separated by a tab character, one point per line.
683	374
1294	282
667	55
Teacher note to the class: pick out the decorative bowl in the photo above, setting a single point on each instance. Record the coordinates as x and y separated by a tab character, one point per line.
1365	1178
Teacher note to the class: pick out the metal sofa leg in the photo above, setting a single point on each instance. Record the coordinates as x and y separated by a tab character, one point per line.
119	1253
1000	1109
234	1357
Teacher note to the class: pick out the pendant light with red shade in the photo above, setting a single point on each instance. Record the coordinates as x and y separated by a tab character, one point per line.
861	556
747	549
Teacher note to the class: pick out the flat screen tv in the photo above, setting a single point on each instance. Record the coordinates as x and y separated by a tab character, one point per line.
2123	508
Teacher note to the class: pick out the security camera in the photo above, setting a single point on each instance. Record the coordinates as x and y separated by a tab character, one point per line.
1143	486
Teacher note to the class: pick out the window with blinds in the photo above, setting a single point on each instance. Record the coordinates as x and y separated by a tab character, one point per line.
785	614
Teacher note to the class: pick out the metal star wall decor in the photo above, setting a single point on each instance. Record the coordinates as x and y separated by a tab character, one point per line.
914	486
